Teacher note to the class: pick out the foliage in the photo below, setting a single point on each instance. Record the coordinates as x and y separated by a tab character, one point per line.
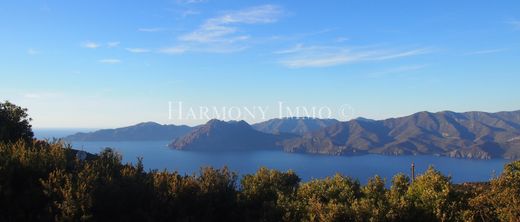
14	123
46	182
398	201
500	199
373	204
432	197
329	199
262	194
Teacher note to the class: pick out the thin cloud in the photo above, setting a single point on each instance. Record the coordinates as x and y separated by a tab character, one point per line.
137	50
32	51
180	49
396	70
187	13
110	61
293	37
322	56
190	1
223	34
329	60
156	29
342	39
295	49
486	51
173	50
113	44
382	55
220	29
90	45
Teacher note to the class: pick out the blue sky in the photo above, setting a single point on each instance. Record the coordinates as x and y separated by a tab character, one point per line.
115	63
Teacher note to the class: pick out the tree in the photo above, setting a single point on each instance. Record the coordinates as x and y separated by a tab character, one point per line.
261	193
14	123
216	195
433	197
501	201
22	167
330	199
399	204
373	204
479	202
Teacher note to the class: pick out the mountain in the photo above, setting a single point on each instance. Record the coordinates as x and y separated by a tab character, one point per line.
293	125
141	131
232	135
477	135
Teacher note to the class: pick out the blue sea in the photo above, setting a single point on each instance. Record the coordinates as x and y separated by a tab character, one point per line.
156	155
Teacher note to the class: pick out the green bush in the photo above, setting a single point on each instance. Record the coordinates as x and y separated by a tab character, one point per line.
14	123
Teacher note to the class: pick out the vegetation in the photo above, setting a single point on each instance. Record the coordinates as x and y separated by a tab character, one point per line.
45	181
14	123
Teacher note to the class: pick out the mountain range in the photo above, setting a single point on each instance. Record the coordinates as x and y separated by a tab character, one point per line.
141	131
475	135
156	131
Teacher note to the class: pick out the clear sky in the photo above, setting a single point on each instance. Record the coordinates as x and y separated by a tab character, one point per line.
115	63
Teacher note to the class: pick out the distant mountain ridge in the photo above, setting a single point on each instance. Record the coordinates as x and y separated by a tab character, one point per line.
477	135
141	131
156	131
294	125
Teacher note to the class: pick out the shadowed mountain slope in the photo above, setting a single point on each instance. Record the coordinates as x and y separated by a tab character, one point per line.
466	135
232	135
294	125
141	131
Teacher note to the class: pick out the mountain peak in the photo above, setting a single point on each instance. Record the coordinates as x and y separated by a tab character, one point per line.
222	135
364	119
149	123
215	123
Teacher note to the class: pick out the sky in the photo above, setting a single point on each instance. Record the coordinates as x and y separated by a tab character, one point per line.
115	63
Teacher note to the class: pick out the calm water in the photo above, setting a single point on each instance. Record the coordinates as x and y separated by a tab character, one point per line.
50	133
157	156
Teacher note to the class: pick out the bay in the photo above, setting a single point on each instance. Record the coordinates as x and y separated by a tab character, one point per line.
156	155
